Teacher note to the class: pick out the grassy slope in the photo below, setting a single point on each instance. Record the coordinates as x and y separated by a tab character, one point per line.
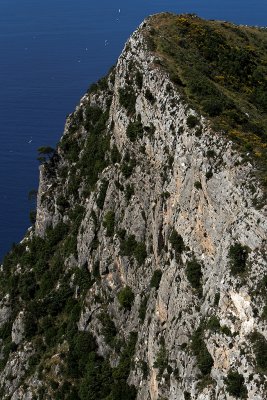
221	69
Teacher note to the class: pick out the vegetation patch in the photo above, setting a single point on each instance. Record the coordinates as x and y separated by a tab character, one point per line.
259	344
198	346
194	274
126	298
204	60
109	222
130	247
156	278
127	99
235	385
127	166
149	96
142	308
213	324
177	242
135	130
161	361
102	194
192	121
109	330
238	255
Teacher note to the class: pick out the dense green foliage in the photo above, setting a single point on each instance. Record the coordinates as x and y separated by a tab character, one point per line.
94	155
177	242
161	361
142	308
126	297
214	324
260	349
128	165
127	99
156	278
204	359
109	222
235	385
238	255
130	247
221	69
51	316
192	121
109	330
149	96
194	274
135	130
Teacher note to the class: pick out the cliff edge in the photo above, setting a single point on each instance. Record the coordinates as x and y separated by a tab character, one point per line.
145	276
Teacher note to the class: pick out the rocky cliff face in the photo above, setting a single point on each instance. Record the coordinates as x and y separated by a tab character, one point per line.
161	245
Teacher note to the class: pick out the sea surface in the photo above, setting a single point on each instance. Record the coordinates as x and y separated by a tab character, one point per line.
50	53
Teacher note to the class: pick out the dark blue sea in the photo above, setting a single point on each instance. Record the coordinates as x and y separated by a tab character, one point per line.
50	52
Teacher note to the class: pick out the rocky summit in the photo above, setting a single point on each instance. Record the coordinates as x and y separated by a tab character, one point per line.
145	274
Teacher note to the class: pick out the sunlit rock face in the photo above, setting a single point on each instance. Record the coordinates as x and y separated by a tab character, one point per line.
183	194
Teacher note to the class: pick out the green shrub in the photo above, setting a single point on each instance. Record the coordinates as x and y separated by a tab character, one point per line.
95	149
213	324
128	244
194	274
70	147
96	270
30	325
260	350
126	297
93	114
139	79
128	166
97	379
140	253
213	106
102	194
198	185
238	255
129	192
209	174
211	153
70	245
142	308
204	359
5	330
56	234
108	330
161	361
235	385
130	247
127	99
135	130
156	278
149	96
177	242
82	278
226	331
264	312
83	343
109	222
144	368
217	298
192	121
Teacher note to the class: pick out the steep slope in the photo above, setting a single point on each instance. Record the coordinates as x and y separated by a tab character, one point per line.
145	276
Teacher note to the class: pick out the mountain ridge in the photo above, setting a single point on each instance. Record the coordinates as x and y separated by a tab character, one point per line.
148	259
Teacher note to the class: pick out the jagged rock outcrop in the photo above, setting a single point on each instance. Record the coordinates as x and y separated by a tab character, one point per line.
170	235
